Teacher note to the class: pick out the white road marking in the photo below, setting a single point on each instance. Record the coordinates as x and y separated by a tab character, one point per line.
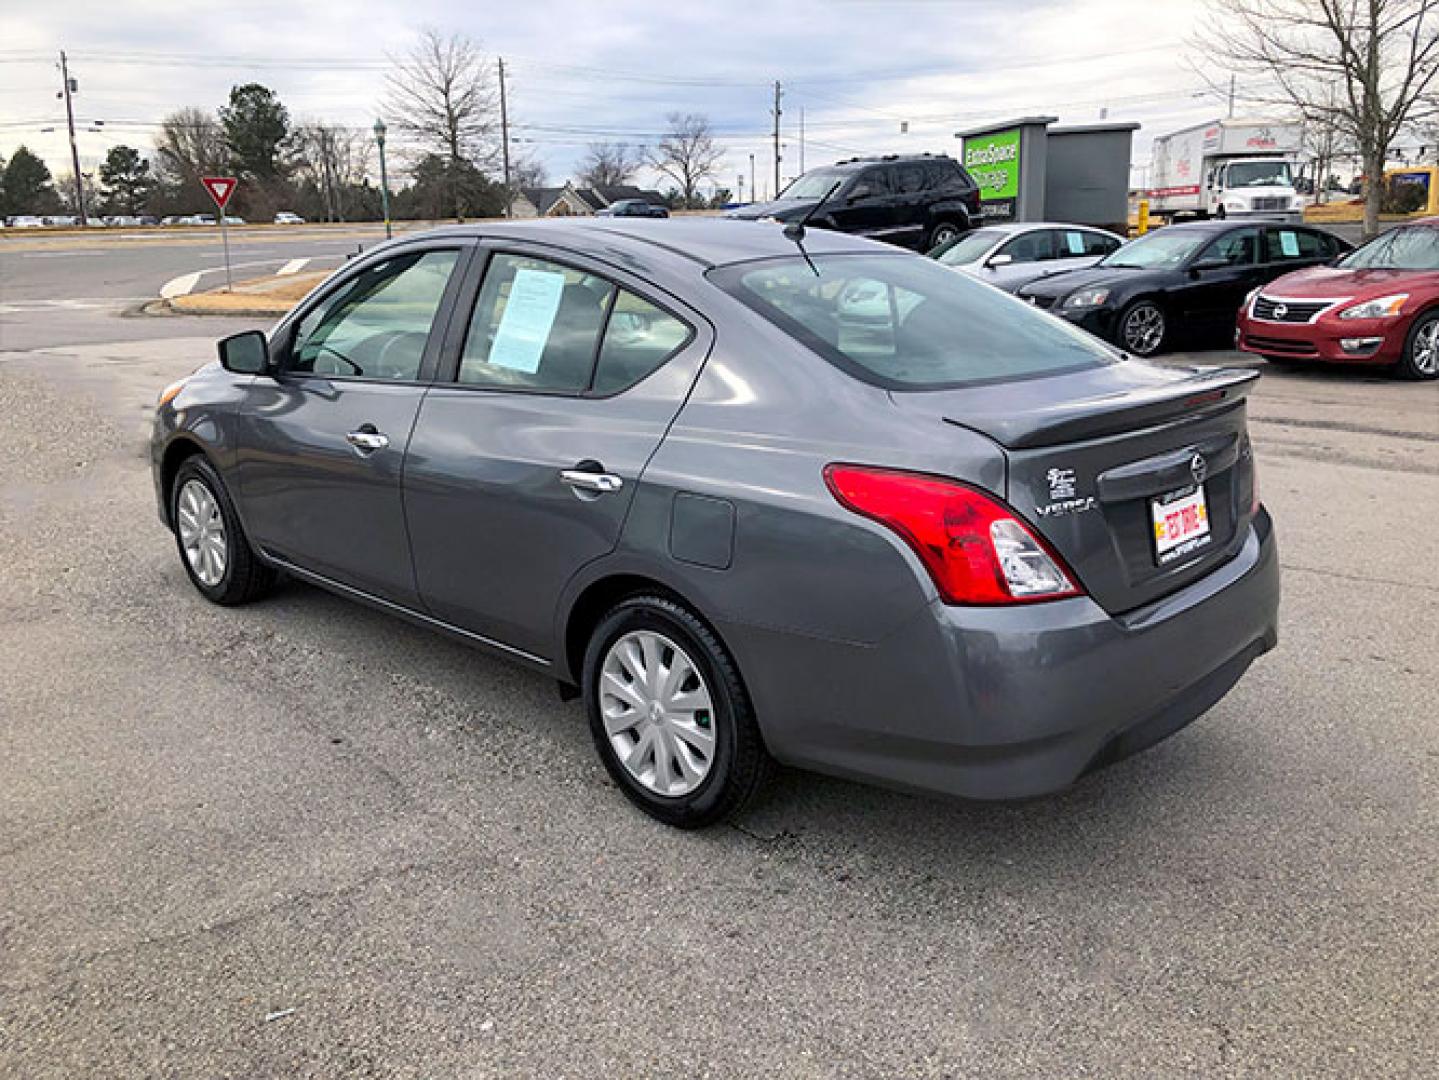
180	286
98	303
294	266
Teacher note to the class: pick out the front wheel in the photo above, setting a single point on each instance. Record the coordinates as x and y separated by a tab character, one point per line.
213	548
669	715
1421	350
1142	328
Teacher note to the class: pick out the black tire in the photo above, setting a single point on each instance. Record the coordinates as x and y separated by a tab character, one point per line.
1146	347
244	577
740	764
1411	366
941	233
1220	212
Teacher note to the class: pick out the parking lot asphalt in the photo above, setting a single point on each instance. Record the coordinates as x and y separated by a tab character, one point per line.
304	839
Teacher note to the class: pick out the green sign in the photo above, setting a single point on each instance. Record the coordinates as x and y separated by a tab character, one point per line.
993	161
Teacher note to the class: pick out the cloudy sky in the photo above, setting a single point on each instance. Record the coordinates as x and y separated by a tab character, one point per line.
583	71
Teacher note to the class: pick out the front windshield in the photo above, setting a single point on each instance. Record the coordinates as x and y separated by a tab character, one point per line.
1156	249
1260	174
813	184
1414	248
970	247
908	324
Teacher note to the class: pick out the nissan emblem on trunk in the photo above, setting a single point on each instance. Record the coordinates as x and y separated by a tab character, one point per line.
1198	468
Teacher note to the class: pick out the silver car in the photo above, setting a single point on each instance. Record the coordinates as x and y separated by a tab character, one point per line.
756	496
1013	254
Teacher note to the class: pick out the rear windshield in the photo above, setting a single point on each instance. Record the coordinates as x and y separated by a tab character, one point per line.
906	323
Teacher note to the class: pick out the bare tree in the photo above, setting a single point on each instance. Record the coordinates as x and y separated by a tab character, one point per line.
444	96
334	159
607	164
528	173
191	144
1380	57
1326	141
687	154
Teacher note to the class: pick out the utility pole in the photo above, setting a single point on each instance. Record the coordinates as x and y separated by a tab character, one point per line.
1231	97
68	87
801	140
777	114
753	191
505	141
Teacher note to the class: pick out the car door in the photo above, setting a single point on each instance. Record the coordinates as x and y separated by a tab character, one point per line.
1027	256
911	202
1210	295
562	376
868	208
322	444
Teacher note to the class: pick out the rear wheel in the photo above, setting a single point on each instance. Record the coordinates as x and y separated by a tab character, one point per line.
1142	328
946	232
213	547
1421	350
669	715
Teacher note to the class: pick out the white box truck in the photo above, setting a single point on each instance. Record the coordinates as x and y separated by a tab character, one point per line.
1226	168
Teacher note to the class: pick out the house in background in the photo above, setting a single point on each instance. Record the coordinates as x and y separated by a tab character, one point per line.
572	201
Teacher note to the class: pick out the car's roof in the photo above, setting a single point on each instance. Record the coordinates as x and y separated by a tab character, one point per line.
1011	227
706	241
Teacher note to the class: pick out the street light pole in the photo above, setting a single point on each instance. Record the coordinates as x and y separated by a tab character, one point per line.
384	177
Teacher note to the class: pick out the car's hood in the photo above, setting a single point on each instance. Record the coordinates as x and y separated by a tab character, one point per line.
1336	283
784	209
1063	284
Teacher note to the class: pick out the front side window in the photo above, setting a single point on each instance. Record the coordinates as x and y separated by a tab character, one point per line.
536	326
375	326
1233	249
907	323
878	181
1030	247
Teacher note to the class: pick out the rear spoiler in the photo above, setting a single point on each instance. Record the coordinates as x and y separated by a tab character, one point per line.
1200	392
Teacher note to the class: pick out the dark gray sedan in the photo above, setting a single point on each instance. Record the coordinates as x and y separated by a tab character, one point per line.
832	505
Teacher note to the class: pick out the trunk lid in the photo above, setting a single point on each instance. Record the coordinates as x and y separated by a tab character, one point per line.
1088	453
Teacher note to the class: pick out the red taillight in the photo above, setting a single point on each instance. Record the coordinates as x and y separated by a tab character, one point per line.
975	548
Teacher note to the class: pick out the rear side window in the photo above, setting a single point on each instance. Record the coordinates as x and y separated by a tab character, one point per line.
377	324
536	326
912	179
638	339
1293	245
907	323
1077	242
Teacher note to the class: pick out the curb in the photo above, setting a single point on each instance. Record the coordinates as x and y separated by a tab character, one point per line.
165	309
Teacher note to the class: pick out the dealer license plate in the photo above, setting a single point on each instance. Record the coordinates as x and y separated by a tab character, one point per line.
1181	523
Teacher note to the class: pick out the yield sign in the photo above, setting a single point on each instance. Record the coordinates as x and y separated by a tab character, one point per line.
220	188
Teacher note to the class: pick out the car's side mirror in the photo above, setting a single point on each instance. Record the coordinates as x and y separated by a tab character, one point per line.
246	353
1208	264
999	260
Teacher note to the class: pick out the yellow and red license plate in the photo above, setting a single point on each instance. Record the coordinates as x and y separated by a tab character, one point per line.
1181	523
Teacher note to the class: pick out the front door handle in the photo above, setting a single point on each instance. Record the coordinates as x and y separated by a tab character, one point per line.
367	440
598	482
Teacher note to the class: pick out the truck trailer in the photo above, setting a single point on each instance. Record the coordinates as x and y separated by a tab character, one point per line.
1227	168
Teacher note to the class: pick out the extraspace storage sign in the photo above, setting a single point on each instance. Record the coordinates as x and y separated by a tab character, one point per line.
993	160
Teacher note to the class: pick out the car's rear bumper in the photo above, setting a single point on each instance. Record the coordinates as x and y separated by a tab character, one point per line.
997	703
1357	341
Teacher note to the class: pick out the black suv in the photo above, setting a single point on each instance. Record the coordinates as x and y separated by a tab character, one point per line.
920	201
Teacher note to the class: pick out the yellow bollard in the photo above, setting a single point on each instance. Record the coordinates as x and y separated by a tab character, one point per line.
1141	224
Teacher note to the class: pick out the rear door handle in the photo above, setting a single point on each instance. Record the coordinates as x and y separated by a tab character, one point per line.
598	482
367	440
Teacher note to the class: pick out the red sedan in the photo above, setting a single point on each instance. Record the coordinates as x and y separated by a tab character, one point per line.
1377	305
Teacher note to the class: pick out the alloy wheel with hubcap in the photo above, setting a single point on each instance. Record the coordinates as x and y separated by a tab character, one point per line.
943	234
658	713
1141	328
202	532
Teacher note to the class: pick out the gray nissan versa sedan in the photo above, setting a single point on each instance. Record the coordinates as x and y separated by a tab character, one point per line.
754	498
